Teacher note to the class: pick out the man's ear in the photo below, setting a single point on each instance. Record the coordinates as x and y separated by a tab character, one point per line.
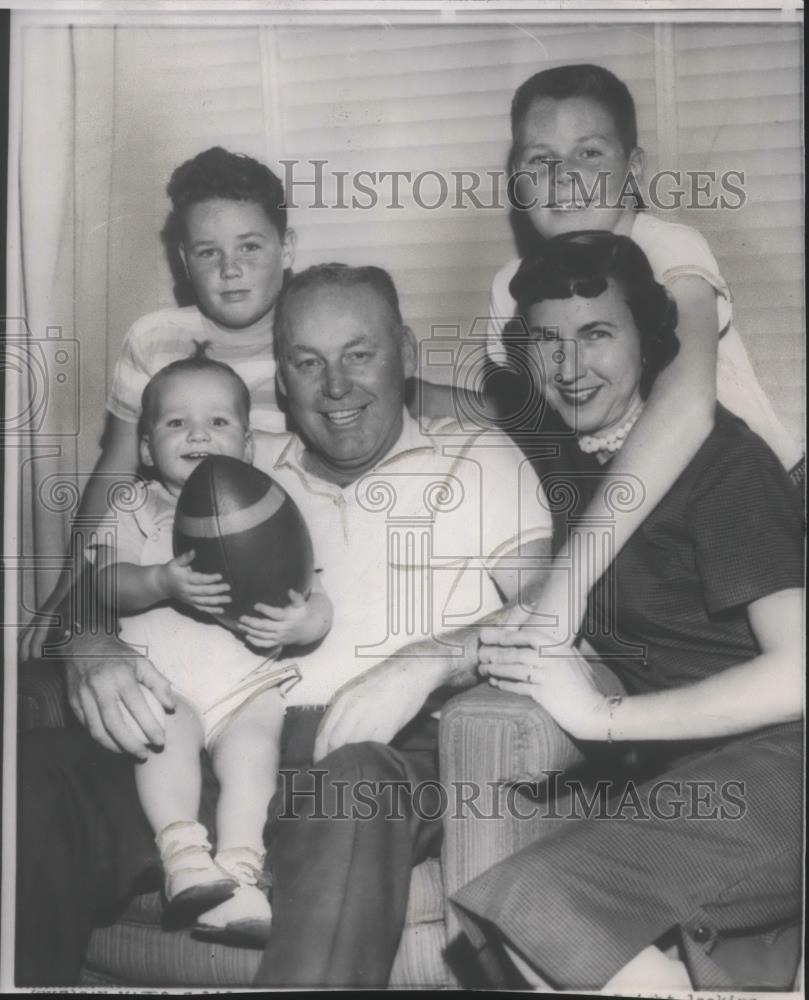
289	245
181	252
637	162
410	352
279	378
249	448
145	451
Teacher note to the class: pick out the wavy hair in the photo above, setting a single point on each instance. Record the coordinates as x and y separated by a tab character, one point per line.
581	263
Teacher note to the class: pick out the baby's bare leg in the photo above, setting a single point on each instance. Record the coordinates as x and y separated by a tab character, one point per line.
245	759
169	782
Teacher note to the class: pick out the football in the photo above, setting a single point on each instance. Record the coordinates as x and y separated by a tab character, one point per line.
244	525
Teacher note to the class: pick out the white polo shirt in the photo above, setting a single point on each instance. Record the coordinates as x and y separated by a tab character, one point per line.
405	548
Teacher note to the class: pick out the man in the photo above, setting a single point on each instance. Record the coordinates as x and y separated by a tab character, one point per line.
415	528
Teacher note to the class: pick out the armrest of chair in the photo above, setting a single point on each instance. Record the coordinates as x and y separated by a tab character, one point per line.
489	742
42	698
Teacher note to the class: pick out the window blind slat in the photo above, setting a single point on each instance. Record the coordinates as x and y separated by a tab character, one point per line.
436	98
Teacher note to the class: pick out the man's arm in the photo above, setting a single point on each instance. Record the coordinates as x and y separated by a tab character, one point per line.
379	703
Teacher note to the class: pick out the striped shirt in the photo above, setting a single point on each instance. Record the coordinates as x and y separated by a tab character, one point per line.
159	338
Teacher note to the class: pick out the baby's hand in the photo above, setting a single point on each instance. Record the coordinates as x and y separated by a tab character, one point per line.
204	591
296	624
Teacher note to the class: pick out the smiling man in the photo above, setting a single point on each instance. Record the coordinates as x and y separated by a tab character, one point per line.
417	528
414	525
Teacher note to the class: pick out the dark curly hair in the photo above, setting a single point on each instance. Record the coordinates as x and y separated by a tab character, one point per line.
196	362
581	263
218	173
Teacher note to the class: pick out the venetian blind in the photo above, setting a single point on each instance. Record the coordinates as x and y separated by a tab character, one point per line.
436	99
739	107
424	100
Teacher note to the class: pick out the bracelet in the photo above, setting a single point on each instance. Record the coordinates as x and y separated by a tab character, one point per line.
612	703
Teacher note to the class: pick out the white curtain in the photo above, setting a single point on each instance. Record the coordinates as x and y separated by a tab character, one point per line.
62	96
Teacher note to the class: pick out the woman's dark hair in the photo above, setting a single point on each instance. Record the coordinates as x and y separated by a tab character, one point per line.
581	263
196	362
581	80
217	173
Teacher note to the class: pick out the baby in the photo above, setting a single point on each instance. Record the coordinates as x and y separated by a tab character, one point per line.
227	694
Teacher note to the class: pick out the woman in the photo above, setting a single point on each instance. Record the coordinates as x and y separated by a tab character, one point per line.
701	621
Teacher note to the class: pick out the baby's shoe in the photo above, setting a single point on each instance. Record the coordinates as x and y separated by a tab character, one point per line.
245	918
193	880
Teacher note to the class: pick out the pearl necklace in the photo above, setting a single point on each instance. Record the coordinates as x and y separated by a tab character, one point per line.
611	442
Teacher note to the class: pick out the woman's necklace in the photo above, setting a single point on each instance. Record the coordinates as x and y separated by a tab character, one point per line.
611	442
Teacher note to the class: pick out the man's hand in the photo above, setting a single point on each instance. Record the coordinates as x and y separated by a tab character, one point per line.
378	704
530	629
103	675
204	591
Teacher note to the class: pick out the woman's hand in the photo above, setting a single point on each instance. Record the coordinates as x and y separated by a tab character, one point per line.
204	591
563	684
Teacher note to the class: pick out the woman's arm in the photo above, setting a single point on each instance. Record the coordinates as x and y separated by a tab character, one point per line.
765	690
762	691
676	419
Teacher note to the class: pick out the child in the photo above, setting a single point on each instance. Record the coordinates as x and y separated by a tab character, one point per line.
227	234
581	120
227	697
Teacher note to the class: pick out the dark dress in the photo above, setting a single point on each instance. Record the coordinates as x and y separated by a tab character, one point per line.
707	842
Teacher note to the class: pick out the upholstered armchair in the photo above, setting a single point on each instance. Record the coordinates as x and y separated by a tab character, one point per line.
489	744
